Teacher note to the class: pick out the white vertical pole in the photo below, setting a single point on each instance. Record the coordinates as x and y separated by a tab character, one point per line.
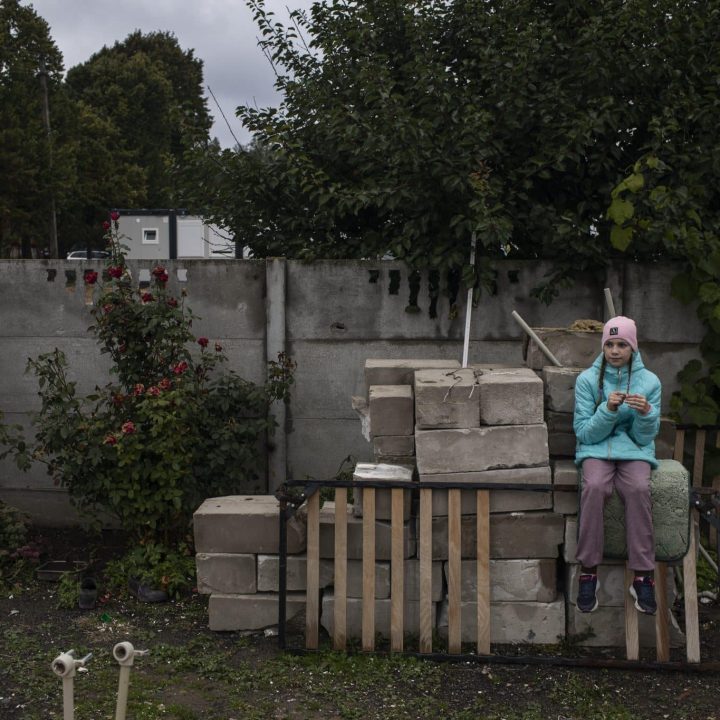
468	307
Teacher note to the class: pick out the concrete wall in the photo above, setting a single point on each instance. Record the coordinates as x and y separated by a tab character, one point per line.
330	316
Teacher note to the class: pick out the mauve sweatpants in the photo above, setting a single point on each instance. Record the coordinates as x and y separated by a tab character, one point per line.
631	479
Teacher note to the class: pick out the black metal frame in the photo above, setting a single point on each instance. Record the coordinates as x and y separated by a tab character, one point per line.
290	502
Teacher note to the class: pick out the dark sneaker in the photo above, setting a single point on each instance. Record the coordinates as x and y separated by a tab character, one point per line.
643	592
588	586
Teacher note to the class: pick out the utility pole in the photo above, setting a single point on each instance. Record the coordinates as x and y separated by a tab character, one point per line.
42	74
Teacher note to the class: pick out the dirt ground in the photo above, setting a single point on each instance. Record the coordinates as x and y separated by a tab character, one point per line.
192	673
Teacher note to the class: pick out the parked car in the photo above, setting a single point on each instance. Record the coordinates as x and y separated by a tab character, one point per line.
83	255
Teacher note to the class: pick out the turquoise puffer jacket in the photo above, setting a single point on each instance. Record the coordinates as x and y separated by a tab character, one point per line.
621	435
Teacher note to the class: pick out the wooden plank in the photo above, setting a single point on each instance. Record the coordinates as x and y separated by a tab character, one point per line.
340	619
662	617
454	557
397	571
699	460
312	597
679	445
483	572
692	628
632	637
368	570
426	623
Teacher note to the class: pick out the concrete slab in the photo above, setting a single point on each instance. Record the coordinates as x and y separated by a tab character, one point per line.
573	349
446	399
387	447
511	580
501	501
565	473
268	573
383	543
485	448
250	612
383	371
384	473
514	535
391	410
244	524
228	573
411	616
510	396
534	623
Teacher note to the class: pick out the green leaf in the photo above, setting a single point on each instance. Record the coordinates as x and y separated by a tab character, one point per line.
620	237
620	211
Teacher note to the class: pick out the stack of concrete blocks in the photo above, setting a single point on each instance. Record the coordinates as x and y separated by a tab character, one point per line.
237	545
485	425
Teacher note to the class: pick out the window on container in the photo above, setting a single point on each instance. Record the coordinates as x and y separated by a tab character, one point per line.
150	236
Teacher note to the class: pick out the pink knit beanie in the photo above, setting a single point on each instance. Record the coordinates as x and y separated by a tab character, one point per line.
620	328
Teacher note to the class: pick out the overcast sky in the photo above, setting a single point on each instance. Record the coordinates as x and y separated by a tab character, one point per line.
221	32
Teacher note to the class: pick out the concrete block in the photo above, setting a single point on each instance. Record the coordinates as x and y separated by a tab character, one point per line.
226	573
511	396
565	473
250	612
268	573
540	475
401	372
561	435
412	580
244	524
515	535
355	579
573	349
501	501
355	534
393	446
535	623
484	448
391	410
411	616
607	627
382	472
669	490
565	503
560	387
511	580
446	399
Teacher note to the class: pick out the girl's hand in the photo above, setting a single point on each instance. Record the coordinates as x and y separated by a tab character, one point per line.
639	403
615	400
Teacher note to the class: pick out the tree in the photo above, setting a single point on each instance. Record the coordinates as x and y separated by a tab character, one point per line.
26	181
151	91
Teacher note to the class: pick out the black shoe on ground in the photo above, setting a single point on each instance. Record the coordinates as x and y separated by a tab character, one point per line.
643	592
588	586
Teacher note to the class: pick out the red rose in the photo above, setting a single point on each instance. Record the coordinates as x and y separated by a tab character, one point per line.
118	399
158	270
172	302
162	278
139	389
122	347
154	391
180	368
115	271
106	225
107	308
110	440
165	384
114	215
218	347
91	277
203	342
147	297
128	428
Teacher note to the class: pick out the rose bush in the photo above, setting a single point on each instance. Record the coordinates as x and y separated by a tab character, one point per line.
172	428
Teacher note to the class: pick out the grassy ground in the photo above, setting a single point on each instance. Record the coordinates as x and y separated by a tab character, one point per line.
191	673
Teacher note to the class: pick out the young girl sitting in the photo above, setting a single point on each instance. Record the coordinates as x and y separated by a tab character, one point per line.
617	416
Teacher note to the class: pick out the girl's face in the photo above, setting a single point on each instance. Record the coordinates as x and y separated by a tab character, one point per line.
617	353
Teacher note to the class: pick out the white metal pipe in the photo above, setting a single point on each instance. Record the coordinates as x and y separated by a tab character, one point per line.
610	304
122	696
536	339
468	307
68	698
